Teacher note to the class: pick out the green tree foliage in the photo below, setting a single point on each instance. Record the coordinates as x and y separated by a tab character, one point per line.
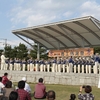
22	51
97	50
43	52
1	52
14	52
8	51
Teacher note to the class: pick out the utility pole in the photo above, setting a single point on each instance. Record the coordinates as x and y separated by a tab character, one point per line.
5	41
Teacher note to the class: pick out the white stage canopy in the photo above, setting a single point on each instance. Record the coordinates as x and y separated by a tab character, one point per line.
74	33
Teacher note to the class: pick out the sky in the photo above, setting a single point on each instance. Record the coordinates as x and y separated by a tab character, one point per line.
17	14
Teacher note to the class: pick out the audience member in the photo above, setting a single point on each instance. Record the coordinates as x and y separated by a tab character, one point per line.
27	87
72	97
1	88
51	95
13	96
5	78
88	95
23	95
40	90
8	89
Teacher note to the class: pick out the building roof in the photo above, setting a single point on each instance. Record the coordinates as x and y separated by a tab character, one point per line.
74	33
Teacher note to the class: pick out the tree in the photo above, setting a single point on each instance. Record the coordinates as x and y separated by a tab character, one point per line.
43	52
1	52
8	51
96	50
22	51
14	53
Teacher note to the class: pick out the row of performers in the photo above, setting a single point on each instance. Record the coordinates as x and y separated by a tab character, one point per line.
55	65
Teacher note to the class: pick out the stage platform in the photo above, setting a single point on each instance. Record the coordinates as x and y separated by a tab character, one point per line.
55	77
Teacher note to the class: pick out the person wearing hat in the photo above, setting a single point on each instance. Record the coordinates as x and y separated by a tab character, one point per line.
27	87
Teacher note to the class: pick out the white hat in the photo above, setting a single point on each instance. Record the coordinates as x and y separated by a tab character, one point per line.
24	78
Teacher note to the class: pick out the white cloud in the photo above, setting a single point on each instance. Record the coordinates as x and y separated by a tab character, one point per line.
36	12
38	19
68	14
13	43
91	8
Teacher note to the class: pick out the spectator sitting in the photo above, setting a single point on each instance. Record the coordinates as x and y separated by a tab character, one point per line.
88	95
8	89
23	95
72	97
40	90
13	96
1	88
5	78
51	95
27	87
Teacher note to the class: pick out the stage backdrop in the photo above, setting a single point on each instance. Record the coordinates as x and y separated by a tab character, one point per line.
71	52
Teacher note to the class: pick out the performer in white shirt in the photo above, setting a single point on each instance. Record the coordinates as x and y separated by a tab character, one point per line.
3	58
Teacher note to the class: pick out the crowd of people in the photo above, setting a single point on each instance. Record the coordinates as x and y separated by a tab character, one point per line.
23	91
65	65
68	64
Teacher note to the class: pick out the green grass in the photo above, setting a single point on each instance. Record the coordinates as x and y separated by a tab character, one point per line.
63	91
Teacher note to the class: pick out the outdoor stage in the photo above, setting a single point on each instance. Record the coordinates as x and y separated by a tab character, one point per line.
55	77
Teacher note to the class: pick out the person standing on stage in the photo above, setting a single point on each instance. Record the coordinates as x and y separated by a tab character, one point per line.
19	65
28	65
99	63
23	64
87	65
48	65
59	65
15	64
44	66
54	64
70	64
3	58
67	64
63	64
75	64
79	65
6	64
96	63
41	65
11	64
37	65
31	64
83	64
90	65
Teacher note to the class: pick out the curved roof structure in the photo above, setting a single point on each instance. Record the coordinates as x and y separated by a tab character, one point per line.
75	33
